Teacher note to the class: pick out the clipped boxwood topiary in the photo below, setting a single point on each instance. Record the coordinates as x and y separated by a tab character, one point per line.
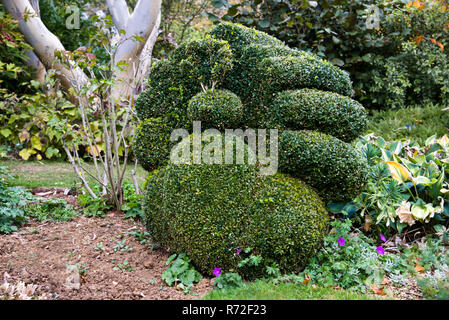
239	36
209	212
216	109
330	165
174	81
326	112
151	144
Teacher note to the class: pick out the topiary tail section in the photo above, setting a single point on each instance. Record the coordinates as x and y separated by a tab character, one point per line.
327	112
334	168
211	211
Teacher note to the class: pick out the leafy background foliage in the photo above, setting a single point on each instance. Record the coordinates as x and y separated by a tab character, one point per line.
402	60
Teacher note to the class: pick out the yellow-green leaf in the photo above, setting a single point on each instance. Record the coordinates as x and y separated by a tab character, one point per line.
25	154
6	132
399	172
36	143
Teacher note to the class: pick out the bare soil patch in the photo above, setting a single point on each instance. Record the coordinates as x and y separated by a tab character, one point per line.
39	253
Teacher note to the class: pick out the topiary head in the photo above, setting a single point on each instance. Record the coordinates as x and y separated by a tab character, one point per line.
216	109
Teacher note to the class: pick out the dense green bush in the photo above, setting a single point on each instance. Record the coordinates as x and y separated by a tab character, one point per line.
264	65
326	112
175	81
216	109
231	80
209	212
13	68
35	124
333	167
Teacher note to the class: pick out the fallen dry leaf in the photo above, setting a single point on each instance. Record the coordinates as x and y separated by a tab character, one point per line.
368	223
419	268
377	290
404	213
306	280
386	281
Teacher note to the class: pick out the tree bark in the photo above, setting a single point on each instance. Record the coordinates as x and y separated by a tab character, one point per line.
43	41
33	60
39	69
146	57
141	23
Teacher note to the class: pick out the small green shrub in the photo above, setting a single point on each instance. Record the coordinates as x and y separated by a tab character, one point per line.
354	265
98	207
173	82
326	112
94	207
208	60
216	109
240	36
209	212
336	169
133	202
229	280
12	203
180	272
51	210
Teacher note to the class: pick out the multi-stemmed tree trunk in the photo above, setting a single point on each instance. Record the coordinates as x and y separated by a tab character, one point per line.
142	23
130	64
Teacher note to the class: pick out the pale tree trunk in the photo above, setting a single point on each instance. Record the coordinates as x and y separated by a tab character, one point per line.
33	60
146	57
143	22
39	69
43	41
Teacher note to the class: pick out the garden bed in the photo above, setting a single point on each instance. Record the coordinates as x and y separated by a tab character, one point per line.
39	253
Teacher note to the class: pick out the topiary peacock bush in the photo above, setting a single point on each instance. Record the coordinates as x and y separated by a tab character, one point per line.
237	77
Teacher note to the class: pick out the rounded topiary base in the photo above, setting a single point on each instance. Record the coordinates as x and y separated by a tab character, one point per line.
211	211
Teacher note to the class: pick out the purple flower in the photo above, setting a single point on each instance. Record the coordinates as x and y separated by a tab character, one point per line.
341	241
217	272
380	250
238	251
383	238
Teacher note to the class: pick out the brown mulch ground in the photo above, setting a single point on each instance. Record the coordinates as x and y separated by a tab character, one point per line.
39	253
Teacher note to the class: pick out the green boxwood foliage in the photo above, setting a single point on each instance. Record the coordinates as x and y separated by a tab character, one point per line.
264	65
335	168
295	72
151	144
216	109
174	81
240	77
326	112
239	36
209	212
